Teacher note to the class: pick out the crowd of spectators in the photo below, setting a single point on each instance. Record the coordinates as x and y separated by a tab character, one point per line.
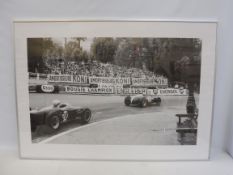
97	69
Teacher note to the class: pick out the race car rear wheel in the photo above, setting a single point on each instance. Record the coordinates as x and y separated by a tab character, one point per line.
86	116
54	122
144	103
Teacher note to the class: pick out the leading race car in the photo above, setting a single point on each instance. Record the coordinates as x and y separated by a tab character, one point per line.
143	100
57	114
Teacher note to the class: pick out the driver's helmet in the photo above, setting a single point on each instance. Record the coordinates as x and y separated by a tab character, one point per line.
56	103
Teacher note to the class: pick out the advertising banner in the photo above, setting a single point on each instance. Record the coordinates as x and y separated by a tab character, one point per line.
100	90
133	91
108	80
172	92
46	88
120	91
76	79
150	81
60	78
80	79
87	90
75	89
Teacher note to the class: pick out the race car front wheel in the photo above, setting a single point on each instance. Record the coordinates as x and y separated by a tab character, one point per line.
54	122
158	100
86	116
127	100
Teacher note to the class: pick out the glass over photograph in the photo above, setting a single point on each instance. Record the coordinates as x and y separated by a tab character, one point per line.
114	91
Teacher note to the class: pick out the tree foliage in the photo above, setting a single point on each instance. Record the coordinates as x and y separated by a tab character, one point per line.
103	49
171	57
37	48
73	50
128	52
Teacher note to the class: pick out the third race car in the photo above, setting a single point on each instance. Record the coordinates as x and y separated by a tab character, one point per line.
143	100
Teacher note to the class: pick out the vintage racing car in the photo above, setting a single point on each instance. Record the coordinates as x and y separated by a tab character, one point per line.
58	113
143	100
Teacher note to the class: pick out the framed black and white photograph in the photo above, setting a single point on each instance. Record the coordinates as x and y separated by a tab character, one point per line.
115	90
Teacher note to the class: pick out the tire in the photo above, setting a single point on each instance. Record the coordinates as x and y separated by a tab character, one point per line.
159	101
127	101
144	103
86	116
54	122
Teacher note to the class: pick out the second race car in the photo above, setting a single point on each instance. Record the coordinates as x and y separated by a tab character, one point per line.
57	114
143	100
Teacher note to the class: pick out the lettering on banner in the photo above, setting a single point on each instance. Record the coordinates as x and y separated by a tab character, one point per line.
47	88
133	91
86	90
150	82
100	90
60	78
76	79
80	79
108	80
74	89
172	92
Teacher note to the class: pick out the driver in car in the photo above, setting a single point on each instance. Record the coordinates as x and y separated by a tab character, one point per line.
56	103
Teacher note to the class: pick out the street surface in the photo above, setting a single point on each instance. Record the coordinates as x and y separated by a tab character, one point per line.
138	129
113	122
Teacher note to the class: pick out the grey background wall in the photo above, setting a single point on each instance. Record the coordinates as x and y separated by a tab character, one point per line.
220	10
